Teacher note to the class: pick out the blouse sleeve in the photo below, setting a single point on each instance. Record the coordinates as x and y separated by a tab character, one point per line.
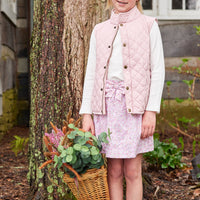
157	69
89	77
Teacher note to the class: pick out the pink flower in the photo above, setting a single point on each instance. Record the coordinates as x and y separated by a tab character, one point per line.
55	138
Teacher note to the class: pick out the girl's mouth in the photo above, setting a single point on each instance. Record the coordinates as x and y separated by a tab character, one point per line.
122	2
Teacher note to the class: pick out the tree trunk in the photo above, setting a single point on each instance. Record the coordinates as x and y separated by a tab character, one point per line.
60	43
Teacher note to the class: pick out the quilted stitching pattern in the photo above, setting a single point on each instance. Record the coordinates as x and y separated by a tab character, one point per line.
135	40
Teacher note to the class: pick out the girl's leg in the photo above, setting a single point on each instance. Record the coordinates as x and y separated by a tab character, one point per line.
133	176
115	178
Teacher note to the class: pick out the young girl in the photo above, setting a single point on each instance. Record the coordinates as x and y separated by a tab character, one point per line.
122	89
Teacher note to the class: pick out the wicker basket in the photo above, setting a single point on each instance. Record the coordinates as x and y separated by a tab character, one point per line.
92	186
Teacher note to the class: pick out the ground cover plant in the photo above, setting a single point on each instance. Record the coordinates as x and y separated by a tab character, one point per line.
165	155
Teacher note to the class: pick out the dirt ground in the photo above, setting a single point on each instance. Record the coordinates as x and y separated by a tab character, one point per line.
164	185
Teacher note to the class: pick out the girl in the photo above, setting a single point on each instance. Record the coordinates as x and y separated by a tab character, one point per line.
122	89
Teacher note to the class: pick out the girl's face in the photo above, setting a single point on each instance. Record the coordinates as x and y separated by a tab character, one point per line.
123	5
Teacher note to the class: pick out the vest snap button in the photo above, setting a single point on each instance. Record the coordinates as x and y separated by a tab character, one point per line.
109	46
125	67
104	67
124	44
127	88
121	24
115	27
101	89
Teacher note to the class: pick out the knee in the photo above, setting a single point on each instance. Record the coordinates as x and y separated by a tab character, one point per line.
115	171
131	173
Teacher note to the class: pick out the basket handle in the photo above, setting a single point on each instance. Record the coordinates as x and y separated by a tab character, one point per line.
72	170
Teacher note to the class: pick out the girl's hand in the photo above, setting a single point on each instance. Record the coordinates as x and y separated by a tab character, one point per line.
148	124
88	124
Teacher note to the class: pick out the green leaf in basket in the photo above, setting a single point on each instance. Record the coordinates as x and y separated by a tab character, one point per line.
80	133
86	160
94	138
60	148
93	161
74	159
69	158
56	159
70	151
64	159
80	169
77	147
109	133
88	134
77	164
85	154
82	140
96	157
84	149
60	163
103	137
72	126
94	150
97	165
72	135
88	145
99	144
63	154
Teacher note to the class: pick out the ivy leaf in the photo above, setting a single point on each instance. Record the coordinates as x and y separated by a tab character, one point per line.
168	83
185	60
179	100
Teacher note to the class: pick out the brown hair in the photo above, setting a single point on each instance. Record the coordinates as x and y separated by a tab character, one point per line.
139	6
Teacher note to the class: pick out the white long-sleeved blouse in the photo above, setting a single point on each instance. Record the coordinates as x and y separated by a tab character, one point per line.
115	70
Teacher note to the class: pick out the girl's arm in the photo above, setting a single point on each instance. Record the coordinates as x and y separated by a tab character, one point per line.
86	110
157	82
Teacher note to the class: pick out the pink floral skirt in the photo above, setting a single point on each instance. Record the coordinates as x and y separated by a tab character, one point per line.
125	139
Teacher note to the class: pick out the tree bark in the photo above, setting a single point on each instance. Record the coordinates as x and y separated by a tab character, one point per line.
59	49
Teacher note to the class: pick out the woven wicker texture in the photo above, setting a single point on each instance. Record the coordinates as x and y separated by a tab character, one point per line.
93	185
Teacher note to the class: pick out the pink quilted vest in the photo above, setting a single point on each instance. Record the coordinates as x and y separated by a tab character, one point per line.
135	37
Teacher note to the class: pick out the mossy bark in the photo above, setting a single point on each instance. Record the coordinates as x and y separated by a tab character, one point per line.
59	48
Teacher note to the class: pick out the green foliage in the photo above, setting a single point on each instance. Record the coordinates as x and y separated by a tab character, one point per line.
197	30
18	144
165	155
188	82
179	100
82	155
168	83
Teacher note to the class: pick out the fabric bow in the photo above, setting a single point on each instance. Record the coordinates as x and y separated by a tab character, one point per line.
115	89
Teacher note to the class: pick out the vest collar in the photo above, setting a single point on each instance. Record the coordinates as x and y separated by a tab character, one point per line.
125	17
